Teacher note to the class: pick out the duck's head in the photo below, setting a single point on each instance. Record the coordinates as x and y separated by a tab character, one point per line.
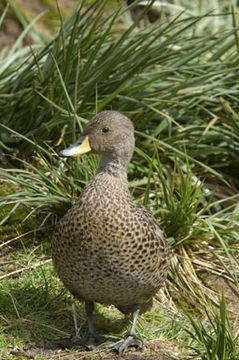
108	134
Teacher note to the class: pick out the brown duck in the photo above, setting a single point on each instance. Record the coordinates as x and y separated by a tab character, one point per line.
106	248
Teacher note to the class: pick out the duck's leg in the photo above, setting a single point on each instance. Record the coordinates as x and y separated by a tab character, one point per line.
130	339
92	340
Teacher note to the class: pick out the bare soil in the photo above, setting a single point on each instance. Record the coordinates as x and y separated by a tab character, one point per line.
154	350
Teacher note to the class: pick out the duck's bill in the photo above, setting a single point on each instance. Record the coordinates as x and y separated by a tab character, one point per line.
80	147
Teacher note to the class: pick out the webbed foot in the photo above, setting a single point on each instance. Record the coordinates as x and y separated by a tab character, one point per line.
129	340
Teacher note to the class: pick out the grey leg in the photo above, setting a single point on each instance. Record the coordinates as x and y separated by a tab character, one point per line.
93	339
130	339
89	308
136	310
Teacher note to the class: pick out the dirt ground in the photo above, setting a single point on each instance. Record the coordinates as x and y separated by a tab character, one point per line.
154	350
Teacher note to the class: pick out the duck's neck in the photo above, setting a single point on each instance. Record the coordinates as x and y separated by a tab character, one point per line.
113	167
109	182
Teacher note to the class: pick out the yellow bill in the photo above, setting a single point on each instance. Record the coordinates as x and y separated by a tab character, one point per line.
80	147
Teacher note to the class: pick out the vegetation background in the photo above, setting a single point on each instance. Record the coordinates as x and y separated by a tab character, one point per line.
177	79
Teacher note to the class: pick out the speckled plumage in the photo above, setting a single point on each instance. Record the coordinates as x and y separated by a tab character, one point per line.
106	248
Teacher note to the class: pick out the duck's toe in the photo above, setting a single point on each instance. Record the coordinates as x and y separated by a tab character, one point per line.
129	340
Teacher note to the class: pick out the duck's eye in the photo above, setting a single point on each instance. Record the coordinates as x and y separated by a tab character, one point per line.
105	129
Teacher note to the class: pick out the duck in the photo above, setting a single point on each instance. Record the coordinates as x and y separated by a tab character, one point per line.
108	249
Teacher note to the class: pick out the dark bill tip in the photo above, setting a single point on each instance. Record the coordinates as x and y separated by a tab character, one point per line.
64	154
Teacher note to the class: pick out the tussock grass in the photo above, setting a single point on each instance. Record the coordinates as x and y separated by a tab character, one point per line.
177	81
215	340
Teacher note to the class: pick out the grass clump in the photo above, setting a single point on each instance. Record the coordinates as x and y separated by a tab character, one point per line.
215	340
14	219
157	74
